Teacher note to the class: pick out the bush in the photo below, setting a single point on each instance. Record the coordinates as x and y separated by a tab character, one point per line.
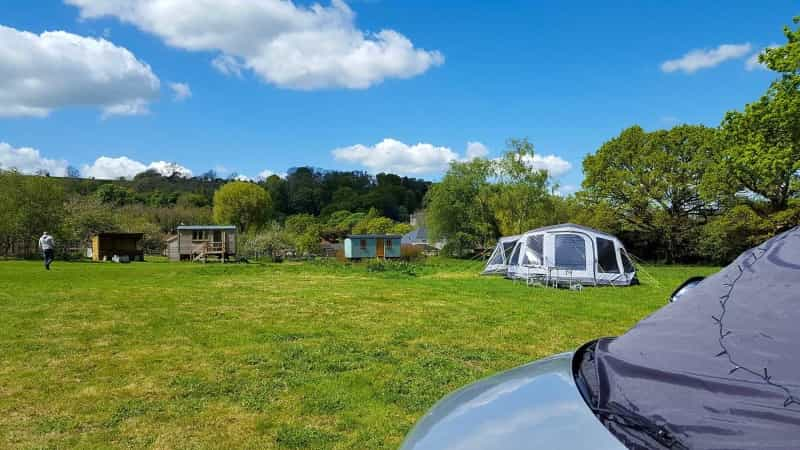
400	267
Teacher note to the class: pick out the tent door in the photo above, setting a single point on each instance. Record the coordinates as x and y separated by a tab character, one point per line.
380	250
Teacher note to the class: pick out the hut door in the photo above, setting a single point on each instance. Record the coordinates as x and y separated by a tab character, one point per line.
217	236
379	250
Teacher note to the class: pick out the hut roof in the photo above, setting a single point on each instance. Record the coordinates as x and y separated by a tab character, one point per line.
207	227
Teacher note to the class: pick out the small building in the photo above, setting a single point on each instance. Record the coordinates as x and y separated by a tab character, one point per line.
199	242
123	246
360	246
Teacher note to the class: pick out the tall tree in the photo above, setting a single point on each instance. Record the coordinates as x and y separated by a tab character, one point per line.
762	146
242	204
651	180
458	208
521	200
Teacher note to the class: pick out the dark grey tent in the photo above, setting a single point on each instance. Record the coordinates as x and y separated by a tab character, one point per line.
719	369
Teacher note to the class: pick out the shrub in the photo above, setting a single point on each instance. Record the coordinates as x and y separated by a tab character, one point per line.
400	267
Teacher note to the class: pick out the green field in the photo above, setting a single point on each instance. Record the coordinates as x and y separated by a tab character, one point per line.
293	355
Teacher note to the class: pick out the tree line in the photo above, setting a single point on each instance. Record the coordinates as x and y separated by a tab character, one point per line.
306	205
690	193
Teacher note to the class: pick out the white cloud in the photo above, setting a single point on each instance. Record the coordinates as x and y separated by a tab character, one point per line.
107	168
242	178
228	65
393	156
476	150
554	165
706	58
264	174
285	44
180	91
397	157
168	169
56	69
29	161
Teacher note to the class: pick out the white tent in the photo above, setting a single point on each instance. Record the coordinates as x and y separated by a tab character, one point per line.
564	253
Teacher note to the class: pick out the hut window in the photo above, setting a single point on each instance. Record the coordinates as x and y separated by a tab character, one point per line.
363	244
606	256
198	235
388	243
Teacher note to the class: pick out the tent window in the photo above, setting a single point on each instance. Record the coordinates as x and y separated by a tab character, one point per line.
508	247
514	256
626	261
497	256
533	251
606	256
570	252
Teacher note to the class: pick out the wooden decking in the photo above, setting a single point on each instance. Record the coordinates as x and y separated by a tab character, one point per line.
202	250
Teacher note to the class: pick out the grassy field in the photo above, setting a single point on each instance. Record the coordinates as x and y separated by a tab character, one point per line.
293	355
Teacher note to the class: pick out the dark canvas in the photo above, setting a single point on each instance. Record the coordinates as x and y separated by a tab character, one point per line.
720	369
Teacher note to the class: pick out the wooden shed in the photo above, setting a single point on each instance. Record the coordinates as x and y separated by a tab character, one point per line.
360	246
199	242
124	245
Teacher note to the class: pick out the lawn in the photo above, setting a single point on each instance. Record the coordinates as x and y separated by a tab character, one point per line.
293	355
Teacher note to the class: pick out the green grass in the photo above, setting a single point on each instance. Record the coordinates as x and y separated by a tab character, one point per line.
311	355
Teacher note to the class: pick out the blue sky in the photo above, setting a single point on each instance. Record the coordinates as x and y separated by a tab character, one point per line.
566	75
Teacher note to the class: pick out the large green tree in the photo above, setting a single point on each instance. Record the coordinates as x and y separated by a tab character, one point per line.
458	207
652	181
761	151
242	204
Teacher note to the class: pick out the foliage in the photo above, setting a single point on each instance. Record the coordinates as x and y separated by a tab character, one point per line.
458	207
520	198
652	181
762	146
785	58
87	216
271	241
242	204
30	205
393	266
305	232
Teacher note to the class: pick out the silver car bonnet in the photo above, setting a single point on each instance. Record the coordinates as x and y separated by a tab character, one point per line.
535	406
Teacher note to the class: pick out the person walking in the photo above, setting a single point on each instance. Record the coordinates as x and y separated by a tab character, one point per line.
48	245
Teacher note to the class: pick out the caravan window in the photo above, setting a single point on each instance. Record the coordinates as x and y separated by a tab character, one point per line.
606	256
533	251
570	252
515	255
626	261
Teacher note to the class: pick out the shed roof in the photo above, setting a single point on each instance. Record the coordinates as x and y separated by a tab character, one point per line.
207	227
374	236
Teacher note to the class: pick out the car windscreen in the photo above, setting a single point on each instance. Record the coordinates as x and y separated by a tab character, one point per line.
719	369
